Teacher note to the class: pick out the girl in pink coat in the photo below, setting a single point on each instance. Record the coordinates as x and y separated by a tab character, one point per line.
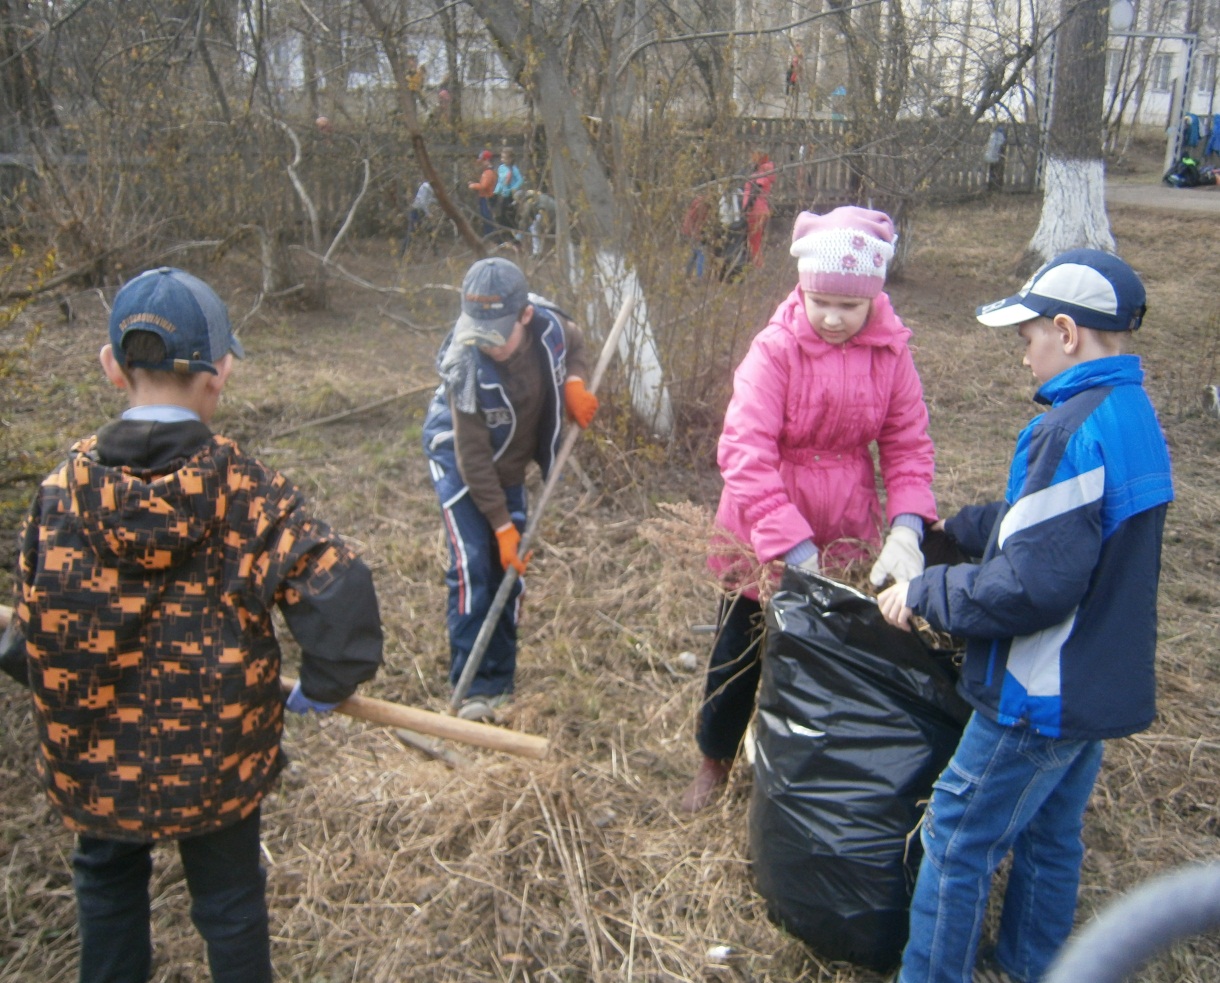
827	378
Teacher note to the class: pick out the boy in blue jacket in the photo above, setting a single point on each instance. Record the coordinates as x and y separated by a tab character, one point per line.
510	369
1060	621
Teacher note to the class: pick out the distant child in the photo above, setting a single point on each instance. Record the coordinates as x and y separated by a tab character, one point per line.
485	187
540	210
1060	621
698	226
756	202
418	214
508	182
827	378
150	565
510	369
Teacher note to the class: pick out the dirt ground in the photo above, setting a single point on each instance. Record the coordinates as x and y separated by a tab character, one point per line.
1201	201
386	865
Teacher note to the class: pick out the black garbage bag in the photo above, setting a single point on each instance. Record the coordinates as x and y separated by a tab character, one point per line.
855	721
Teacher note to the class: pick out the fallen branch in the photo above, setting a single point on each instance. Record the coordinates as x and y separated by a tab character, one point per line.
406	322
330	264
353	412
83	270
430	747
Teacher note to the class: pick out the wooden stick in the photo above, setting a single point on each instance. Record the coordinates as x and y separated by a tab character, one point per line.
500	600
438	725
421	721
414	391
432	748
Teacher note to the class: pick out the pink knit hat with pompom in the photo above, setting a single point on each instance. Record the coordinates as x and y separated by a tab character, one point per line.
845	251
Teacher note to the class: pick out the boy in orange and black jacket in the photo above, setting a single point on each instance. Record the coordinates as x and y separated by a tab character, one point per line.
150	563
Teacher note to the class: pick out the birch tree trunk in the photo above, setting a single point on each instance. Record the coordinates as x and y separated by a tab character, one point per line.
579	175
1073	196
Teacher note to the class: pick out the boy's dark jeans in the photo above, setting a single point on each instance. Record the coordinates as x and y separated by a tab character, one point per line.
228	905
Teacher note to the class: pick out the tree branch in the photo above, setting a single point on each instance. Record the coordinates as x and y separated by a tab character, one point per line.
711	35
350	213
306	201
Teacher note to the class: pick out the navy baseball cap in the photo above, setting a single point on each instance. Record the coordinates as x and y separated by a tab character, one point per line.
494	294
184	311
1095	288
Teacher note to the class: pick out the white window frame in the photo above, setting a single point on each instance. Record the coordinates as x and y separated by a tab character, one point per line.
1160	72
1205	74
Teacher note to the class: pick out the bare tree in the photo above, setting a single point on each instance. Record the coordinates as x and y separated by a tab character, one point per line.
1073	203
25	104
406	100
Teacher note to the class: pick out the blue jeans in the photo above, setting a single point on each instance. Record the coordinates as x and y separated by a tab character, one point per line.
228	905
1006	788
485	211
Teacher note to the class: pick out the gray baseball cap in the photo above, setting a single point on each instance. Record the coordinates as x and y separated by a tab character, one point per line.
494	294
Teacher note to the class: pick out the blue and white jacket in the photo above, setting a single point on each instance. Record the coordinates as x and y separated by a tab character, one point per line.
1060	614
496	408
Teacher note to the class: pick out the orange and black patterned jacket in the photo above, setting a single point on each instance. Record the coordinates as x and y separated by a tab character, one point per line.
145	598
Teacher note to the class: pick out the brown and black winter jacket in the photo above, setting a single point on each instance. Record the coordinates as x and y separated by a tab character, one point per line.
150	564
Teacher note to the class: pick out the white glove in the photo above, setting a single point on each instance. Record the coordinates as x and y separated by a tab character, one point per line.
900	557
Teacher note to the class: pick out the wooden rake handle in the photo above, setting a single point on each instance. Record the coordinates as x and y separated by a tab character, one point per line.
438	725
412	718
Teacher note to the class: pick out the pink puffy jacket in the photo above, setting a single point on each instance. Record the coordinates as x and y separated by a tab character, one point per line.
795	451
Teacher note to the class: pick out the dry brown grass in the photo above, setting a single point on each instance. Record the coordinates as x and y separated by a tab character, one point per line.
385	866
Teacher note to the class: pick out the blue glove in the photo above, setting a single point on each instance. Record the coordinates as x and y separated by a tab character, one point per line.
298	702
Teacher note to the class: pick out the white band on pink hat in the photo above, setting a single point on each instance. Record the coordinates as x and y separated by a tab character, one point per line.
845	252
